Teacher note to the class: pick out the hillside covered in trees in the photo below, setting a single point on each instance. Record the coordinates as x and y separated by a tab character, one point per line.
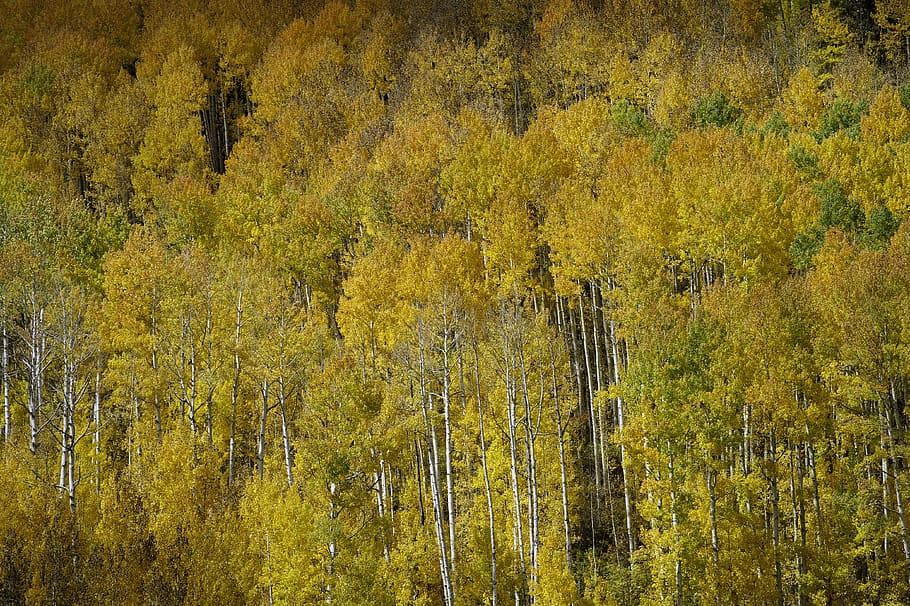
452	303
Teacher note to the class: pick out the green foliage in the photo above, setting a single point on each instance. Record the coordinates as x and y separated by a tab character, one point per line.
660	145
715	110
629	120
833	35
805	246
873	231
384	303
806	162
836	209
881	225
776	124
38	83
843	115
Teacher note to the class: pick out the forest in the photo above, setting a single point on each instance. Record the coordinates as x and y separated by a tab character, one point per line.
531	302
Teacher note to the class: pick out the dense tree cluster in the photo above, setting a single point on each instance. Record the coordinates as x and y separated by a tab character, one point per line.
390	302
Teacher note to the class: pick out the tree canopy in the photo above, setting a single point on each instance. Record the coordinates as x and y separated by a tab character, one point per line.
384	302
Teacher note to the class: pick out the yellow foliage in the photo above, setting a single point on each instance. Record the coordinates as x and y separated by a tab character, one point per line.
888	120
856	78
803	103
833	35
624	82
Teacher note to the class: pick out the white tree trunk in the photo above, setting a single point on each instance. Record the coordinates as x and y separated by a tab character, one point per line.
285	434
235	386
4	376
530	448
513	462
435	488
263	418
486	480
898	494
36	363
96	423
563	480
620	421
596	432
447	420
155	396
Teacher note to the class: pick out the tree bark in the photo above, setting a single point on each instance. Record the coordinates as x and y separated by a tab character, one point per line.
898	495
447	337
285	433
596	436
531	454
775	516
4	376
620	421
96	437
710	480
816	501
435	488
155	396
486	480
260	442
563	480
674	522
235	386
36	363
511	395
419	476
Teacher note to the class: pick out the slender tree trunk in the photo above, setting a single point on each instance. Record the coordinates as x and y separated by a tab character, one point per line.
418	469
447	420
96	424
71	470
563	480
898	495
576	365
794	497
235	386
530	440
486	480
260	443
620	421
191	397
710	480
333	545
606	474
775	517
67	419
209	343
36	364
885	481
285	433
435	488
133	435
390	501
513	458
156	397
68	333
674	523
224	124
436	497
72	395
801	512
596	436
382	506
596	332
816	501
4	376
